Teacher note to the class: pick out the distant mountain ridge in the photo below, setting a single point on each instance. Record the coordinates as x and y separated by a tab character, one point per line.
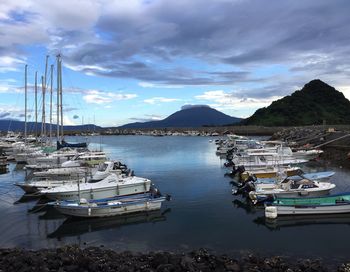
196	116
18	126
314	104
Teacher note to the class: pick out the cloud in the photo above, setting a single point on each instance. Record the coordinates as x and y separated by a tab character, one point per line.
147	118
229	100
13	112
188	106
10	64
238	33
163	86
76	117
99	97
164	44
156	100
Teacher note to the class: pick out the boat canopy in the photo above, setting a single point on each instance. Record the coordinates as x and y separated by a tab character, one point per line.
65	144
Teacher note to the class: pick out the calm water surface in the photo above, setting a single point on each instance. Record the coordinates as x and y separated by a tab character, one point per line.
202	213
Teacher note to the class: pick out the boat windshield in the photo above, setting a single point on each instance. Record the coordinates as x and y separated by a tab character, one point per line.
75	157
102	167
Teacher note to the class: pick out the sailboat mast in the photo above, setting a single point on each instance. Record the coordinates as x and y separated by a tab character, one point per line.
43	124
36	105
44	90
58	100
51	84
25	103
61	99
45	75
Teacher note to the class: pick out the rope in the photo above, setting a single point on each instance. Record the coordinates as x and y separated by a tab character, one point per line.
41	206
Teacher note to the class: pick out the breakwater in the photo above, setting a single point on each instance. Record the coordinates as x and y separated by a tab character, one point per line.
277	132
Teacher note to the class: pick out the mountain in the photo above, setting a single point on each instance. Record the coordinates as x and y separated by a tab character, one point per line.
316	103
194	116
16	126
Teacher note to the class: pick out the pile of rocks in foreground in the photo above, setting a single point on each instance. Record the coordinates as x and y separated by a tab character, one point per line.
73	258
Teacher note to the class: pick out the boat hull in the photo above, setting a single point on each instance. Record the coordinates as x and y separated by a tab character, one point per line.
100	193
110	210
269	174
325	209
261	195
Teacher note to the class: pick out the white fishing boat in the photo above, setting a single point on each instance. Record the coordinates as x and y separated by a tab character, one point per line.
63	172
318	176
281	148
256	161
334	204
109	167
54	159
271	172
35	186
93	158
110	207
111	186
290	189
307	154
55	177
82	159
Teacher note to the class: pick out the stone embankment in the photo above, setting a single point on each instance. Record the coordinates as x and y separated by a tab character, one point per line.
201	131
335	141
72	258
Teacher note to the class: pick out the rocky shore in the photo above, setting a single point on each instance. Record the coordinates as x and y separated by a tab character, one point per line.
73	258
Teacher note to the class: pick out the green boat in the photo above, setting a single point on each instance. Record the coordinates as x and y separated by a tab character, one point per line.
333	204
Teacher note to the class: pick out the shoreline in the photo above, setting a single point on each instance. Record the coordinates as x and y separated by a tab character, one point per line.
75	258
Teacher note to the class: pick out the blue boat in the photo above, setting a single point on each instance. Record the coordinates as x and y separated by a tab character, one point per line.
110	206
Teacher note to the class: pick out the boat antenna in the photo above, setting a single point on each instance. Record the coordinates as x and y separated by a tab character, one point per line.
25	103
51	85
58	100
36	105
61	104
43	132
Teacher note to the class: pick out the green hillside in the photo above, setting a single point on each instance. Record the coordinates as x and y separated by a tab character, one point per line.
314	104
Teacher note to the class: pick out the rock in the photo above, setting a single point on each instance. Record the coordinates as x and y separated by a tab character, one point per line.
159	259
165	268
232	267
72	258
187	263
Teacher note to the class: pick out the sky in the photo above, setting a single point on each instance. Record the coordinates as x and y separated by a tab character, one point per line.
139	60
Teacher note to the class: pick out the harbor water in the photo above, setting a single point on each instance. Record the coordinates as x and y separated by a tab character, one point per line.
202	213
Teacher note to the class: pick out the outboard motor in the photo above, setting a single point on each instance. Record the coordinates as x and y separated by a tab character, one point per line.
229	157
233	173
252	178
229	163
244	189
241	169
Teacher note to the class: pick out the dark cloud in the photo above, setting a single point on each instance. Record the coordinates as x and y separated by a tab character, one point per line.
197	42
240	34
185	107
75	117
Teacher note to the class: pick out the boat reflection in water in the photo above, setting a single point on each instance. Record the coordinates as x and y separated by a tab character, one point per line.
248	206
302	220
77	226
25	198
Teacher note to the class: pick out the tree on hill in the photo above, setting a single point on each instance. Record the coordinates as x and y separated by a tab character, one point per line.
314	104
